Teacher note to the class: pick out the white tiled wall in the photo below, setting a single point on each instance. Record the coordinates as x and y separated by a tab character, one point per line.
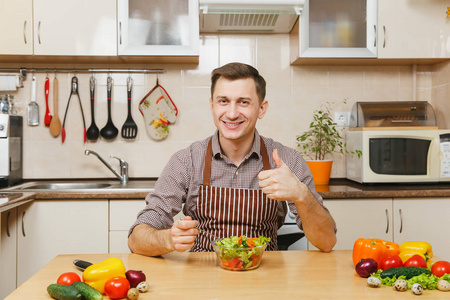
293	93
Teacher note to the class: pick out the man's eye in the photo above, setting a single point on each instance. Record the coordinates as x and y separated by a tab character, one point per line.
222	101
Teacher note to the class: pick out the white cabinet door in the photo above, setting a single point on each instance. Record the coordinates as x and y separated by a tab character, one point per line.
75	27
48	228
16	23
427	220
413	29
8	249
158	28
122	214
337	29
356	218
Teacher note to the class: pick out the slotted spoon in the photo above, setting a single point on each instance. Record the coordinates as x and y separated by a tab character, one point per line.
129	128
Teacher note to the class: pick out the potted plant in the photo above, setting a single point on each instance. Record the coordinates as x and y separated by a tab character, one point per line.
320	141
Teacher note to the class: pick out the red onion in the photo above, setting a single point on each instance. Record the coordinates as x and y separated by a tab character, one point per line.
135	277
366	267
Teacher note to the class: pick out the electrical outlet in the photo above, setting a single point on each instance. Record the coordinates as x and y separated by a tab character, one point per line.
342	118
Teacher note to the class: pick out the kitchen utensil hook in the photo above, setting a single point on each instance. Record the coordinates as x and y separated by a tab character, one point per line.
157	79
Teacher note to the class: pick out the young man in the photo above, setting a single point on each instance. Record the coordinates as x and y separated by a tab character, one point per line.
232	183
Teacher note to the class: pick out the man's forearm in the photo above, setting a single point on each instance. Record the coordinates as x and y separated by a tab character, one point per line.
317	222
147	240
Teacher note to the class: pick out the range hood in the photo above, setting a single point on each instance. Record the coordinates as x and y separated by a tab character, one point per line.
255	16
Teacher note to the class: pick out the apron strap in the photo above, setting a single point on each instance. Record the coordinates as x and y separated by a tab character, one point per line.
208	159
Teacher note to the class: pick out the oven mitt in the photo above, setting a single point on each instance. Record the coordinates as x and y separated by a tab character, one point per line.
158	111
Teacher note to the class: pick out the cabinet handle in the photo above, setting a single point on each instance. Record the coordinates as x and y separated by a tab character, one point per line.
401	220
23	224
25	31
387	221
39	32
7	224
384	36
120	33
375	35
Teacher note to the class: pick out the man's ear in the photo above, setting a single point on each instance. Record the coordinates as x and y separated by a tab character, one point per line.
210	104
263	109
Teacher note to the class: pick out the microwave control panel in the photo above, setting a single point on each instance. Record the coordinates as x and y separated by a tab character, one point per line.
445	152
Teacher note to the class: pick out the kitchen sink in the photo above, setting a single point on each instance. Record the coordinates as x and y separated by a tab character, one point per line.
66	186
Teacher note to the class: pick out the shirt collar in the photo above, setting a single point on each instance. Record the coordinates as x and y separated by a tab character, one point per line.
255	150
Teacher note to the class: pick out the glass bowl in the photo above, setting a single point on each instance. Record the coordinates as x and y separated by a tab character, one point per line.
239	259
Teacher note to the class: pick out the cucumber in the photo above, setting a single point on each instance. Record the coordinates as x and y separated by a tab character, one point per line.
63	292
87	291
409	272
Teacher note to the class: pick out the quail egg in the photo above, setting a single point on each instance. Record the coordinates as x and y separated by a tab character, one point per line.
400	285
373	282
417	288
443	285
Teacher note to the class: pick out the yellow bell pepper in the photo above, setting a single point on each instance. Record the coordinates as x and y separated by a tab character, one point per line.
97	274
408	249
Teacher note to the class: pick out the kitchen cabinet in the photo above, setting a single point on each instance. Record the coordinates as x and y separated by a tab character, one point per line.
75	28
122	214
413	29
423	219
157	28
47	228
16	23
357	218
337	29
8	252
399	220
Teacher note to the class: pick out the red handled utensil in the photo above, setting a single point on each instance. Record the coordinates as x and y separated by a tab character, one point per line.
48	116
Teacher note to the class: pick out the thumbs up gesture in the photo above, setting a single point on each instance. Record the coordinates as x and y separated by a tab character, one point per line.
280	183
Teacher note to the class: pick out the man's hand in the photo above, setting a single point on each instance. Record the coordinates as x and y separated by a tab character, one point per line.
183	234
280	183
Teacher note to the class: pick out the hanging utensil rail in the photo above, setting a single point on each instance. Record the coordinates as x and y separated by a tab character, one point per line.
23	71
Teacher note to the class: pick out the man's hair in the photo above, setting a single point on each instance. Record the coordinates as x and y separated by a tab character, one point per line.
235	71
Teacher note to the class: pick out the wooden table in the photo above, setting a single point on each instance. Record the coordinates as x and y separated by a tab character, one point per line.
282	275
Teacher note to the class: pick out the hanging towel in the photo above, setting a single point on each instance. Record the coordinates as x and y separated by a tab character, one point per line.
10	82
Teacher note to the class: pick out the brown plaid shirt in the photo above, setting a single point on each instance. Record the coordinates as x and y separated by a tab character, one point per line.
183	174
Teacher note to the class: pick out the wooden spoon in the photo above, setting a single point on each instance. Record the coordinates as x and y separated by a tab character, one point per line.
55	123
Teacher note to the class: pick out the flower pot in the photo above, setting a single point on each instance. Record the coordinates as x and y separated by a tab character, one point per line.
321	170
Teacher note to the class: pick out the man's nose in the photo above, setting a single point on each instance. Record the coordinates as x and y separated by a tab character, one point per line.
232	111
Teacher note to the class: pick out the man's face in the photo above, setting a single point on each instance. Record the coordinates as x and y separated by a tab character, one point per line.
235	107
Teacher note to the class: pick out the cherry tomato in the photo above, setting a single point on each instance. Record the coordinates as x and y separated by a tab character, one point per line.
390	262
440	268
68	278
416	261
117	287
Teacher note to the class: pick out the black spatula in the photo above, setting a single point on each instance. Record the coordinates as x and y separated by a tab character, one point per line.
129	128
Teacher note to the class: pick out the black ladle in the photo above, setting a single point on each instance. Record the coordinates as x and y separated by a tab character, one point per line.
93	132
109	131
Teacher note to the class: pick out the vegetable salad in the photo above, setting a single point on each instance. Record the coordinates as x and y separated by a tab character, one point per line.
241	253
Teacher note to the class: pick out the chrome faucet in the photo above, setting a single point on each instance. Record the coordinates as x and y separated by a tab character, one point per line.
123	176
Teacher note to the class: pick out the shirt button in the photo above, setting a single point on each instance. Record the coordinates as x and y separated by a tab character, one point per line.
237	172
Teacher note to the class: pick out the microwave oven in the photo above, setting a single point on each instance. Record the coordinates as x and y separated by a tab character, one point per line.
399	156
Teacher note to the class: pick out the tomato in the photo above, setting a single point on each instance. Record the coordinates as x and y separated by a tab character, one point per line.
390	262
68	278
416	261
440	268
234	262
117	287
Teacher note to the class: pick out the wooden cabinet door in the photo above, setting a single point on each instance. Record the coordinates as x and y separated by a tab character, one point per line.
75	27
52	227
419	219
16	23
8	249
356	218
413	29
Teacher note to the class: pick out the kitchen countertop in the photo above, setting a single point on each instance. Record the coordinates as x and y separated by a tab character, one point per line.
139	189
281	275
11	200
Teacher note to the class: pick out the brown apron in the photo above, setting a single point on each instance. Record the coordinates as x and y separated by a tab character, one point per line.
227	212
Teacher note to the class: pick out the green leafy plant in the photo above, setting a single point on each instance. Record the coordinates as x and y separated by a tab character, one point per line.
323	137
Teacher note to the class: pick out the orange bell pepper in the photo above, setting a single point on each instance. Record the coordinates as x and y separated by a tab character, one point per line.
376	249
